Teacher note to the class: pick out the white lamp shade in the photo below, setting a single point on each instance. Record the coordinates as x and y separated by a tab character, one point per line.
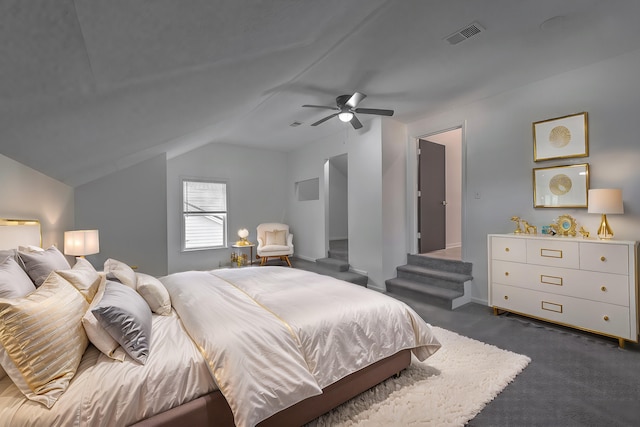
243	233
606	201
81	242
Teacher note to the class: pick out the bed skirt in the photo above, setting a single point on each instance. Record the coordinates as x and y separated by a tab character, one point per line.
212	409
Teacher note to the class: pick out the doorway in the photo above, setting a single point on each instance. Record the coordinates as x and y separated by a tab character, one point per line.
440	225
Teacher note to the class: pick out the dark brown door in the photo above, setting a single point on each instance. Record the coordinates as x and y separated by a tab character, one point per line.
432	206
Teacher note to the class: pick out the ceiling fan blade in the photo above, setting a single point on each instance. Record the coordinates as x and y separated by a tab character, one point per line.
322	106
355	123
355	99
324	120
374	111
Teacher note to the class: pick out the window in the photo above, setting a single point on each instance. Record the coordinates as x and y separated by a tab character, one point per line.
204	214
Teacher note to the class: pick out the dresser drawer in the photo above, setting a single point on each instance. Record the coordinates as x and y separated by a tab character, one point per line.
596	286
610	258
555	253
508	249
609	319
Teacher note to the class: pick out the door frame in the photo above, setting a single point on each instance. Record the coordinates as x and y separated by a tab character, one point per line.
412	184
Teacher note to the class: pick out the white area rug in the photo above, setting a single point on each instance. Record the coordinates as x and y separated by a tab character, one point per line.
448	389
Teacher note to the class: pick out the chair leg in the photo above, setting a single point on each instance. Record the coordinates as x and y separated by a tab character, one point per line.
286	258
263	260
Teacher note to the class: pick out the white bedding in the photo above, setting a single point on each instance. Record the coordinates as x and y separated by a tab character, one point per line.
274	336
101	396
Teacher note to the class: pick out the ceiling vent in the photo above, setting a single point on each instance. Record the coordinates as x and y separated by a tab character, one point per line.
295	124
465	33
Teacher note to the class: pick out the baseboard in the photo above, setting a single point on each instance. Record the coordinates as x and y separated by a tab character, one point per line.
454	245
358	271
305	258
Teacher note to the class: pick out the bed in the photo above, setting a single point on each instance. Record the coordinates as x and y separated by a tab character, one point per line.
252	346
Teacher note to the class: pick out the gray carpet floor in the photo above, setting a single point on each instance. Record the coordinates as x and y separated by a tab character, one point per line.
574	379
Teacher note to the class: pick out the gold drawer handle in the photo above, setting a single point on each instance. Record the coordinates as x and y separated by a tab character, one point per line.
506	273
603	259
506	249
606	318
603	289
506	297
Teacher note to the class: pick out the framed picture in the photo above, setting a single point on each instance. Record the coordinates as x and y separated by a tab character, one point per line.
561	186
561	138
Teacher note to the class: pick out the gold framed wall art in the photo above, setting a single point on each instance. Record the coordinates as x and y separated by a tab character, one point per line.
561	186
561	138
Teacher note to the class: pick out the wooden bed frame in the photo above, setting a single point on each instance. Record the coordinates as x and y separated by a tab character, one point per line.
212	409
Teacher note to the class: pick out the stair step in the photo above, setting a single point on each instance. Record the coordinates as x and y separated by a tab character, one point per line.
333	264
450	265
347	276
418	271
340	254
430	294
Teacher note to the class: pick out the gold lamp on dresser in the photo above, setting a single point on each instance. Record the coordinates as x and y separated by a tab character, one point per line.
605	201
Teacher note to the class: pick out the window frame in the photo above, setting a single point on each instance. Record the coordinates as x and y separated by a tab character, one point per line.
183	214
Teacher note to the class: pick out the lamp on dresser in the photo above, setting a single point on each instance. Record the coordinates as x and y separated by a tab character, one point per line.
81	242
605	201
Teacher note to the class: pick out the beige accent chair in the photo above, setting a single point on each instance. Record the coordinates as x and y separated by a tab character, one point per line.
274	241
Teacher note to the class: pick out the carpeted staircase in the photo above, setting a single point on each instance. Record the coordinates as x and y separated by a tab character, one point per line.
436	281
335	265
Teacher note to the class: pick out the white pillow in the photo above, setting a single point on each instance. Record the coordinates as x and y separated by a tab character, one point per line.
122	272
154	293
276	237
84	277
99	336
50	316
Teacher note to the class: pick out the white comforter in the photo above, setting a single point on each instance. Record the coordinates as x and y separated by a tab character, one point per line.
273	336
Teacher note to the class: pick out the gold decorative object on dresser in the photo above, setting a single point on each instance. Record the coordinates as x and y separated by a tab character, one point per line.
586	284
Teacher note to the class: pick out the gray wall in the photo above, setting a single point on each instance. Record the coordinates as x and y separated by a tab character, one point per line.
377	205
129	208
28	194
499	152
338	200
256	189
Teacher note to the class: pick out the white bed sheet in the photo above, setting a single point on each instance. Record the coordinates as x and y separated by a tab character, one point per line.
106	392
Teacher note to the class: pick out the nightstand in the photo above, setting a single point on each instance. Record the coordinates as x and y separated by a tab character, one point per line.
240	259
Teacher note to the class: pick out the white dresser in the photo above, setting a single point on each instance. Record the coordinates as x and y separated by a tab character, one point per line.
583	283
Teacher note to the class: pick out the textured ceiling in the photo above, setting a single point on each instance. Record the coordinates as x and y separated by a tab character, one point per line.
89	87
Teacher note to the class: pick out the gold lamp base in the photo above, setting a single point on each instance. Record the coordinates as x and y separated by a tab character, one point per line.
604	231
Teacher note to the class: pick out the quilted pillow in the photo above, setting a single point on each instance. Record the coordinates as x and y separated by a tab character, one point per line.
42	365
98	335
14	282
276	237
84	277
127	318
120	271
38	265
154	293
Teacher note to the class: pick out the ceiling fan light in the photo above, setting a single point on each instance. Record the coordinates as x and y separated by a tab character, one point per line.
345	117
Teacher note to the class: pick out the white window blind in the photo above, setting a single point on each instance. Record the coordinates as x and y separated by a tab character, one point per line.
204	212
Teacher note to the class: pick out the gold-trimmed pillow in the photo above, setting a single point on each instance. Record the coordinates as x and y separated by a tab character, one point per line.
42	339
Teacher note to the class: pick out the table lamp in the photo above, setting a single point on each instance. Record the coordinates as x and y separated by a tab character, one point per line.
243	233
81	242
605	201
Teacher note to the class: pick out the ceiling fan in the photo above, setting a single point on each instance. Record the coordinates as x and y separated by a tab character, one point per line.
346	107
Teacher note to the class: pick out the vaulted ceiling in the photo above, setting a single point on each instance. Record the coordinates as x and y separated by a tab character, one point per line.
88	87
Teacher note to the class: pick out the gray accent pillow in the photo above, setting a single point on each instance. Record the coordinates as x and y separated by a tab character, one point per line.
125	315
39	265
14	282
